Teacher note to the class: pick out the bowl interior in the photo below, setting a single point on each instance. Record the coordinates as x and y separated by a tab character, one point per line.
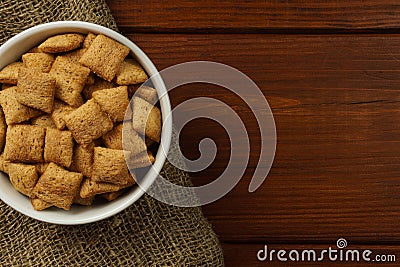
12	51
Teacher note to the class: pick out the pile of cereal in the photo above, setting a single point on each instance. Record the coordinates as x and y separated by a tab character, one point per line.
61	121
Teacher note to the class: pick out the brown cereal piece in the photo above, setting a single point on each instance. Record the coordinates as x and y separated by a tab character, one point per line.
35	89
62	43
88	122
41	167
83	201
14	111
99	84
35	50
74	56
58	186
23	177
5	86
90	188
60	111
89	40
39	204
40	62
70	80
59	147
114	195
130	72
44	121
113	139
109	166
141	160
9	74
3	130
24	143
147	93
104	56
146	119
113	101
4	164
133	141
151	157
82	159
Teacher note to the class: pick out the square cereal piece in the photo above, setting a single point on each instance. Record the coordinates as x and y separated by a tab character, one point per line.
141	160
113	139
89	39
146	119
23	177
82	159
9	74
133	141
44	121
130	72
109	166
73	56
113	101
59	147
40	62
34	50
104	56
88	122
4	164
114	195
24	143
39	204
99	84
58	186
62	43
35	89
14	111
151	157
147	93
41	167
90	188
3	130
60	110
70	80
83	201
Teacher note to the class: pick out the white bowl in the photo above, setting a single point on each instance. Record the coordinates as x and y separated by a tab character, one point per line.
12	51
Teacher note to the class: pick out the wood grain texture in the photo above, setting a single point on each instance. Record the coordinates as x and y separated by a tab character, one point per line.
254	16
336	105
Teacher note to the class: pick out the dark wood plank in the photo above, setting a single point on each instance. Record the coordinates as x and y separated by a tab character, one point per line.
255	16
246	255
336	104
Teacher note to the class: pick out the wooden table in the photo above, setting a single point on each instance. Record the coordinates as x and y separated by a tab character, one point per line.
330	71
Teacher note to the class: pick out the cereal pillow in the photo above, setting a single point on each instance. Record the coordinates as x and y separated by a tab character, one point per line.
62	43
104	57
88	122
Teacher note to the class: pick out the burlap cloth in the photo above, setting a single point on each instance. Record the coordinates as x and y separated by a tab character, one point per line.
149	233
